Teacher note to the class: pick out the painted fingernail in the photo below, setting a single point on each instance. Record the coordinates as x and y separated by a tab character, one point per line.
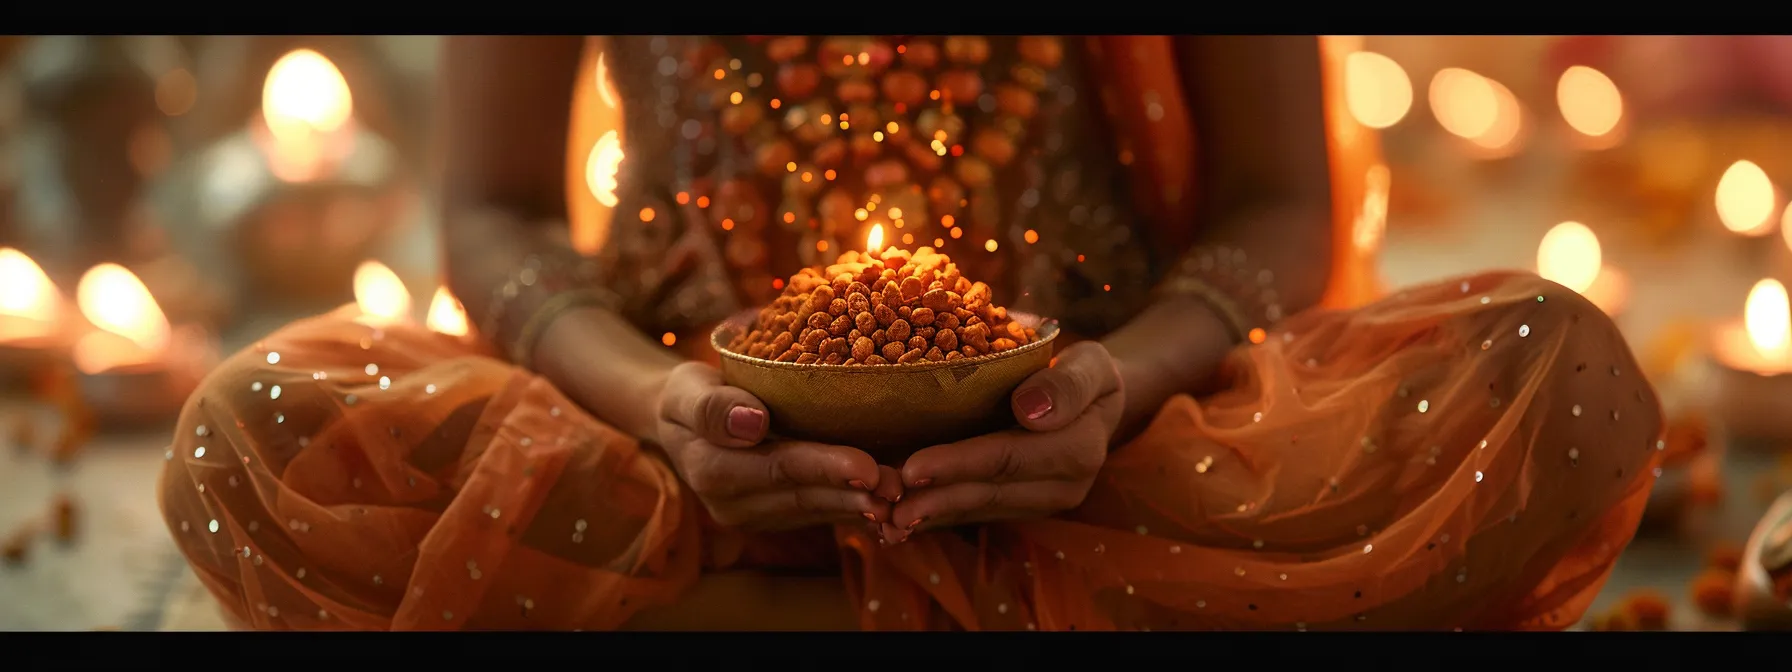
897	500
918	521
746	423
1035	403
869	516
923	482
858	484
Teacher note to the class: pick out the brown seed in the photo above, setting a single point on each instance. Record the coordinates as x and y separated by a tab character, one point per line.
877	288
898	330
998	313
884	315
905	313
837	346
946	321
833	358
946	339
893	350
910	357
978	294
954	300
758	350
863	348
857	303
865	322
921	317
876	359
878	338
842	280
857	287
934	355
912	289
1017	331
964	316
841	325
961	285
1002	344
782	342
838	307
916	343
850	362
811	339
819	320
823	296
791	355
968	351
954	355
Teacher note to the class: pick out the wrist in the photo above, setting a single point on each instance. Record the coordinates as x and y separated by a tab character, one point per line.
1174	347
600	361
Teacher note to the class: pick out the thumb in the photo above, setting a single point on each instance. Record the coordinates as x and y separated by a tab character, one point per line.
727	417
1050	399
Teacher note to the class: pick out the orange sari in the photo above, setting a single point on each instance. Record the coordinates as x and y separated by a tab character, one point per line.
1469	454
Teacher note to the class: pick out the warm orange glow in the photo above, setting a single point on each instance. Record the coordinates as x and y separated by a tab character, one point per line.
1570	256
1372	222
131	328
1745	199
176	91
1257	335
669	339
874	241
380	295
1476	108
604	91
446	314
305	107
601	167
1768	318
30	306
1377	90
1589	100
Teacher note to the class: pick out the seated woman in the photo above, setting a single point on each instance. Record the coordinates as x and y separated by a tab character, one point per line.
1468	454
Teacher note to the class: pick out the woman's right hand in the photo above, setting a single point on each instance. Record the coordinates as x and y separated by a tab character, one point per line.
713	434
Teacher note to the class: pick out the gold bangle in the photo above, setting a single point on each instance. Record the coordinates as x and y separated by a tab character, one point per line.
1229	311
522	350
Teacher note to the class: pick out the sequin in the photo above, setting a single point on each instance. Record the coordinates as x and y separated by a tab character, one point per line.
1486	344
1575	410
1424	405
200	431
184	526
385	383
300	574
1478	477
1486	300
1464	286
371	369
1661	444
279	418
213	526
255	386
168	454
199	452
1257	543
579	525
1524	330
378	581
429	389
1000	608
874	605
555	411
1574	456
273	358
350	400
1174	550
526	442
934	578
274	392
1368	547
1257	417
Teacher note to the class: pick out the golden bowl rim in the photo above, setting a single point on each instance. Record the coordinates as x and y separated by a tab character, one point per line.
1048	330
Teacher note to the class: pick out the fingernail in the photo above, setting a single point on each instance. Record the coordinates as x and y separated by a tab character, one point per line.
1035	403
923	482
897	499
869	516
858	484
746	423
918	521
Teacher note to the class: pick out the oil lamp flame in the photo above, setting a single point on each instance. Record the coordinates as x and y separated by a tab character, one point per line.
379	293
874	241
1768	318
25	293
446	315
131	328
305	93
1570	255
1745	199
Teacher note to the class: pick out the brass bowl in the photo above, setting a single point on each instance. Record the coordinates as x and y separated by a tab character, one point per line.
887	410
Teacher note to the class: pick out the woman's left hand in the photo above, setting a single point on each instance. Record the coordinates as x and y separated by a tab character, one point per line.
1067	414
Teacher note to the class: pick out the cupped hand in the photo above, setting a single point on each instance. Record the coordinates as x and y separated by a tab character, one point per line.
1067	414
715	438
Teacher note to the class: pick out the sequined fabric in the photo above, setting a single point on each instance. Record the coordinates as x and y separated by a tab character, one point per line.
750	157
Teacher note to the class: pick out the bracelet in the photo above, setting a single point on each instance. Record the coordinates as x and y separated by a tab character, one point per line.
1244	297
550	285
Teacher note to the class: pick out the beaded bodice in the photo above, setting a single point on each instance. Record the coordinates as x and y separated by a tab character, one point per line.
750	157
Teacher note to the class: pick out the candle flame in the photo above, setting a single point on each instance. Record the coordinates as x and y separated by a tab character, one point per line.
1589	100
25	292
131	327
874	241
446	314
603	83
1745	199
1377	90
1476	108
1768	318
305	94
379	293
601	167
1570	256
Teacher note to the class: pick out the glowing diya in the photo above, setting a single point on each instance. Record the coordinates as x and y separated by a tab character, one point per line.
133	368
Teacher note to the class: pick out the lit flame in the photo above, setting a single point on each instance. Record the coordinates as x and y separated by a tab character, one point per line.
1589	100
1476	108
1768	318
446	314
379	293
27	293
603	83
874	241
1570	256
1745	199
1377	90
131	327
601	167
305	94
1372	222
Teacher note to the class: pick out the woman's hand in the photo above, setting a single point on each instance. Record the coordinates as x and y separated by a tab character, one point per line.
712	434
1067	414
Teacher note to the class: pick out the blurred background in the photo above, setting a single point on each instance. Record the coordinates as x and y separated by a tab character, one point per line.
164	200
